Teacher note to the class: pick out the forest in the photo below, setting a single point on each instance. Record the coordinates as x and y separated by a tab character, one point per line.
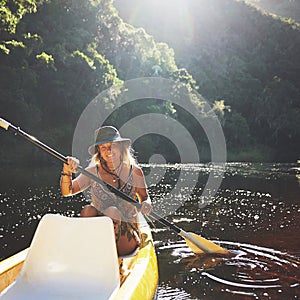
58	55
289	9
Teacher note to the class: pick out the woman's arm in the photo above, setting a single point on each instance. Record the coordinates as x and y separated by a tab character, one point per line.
141	191
71	187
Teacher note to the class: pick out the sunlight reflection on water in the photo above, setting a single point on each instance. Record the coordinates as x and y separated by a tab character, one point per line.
255	214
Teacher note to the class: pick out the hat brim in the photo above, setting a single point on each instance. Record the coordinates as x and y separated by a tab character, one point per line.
92	148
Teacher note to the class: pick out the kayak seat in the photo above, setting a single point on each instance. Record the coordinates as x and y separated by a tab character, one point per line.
69	258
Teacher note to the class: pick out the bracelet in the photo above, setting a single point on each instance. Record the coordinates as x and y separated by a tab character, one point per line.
66	174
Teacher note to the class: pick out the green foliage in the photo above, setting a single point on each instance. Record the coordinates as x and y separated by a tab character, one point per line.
57	55
6	45
234	52
288	9
46	58
253	154
12	11
237	132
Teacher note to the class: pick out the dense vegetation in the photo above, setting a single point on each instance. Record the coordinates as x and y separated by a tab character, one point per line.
285	8
57	55
240	54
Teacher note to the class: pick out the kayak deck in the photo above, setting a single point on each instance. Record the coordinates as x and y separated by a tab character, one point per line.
10	268
138	281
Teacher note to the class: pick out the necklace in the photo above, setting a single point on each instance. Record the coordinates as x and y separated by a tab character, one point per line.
115	172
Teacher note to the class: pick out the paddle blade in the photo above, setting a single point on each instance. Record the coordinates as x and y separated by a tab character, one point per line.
201	245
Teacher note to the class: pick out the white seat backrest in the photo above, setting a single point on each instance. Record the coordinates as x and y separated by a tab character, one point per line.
72	255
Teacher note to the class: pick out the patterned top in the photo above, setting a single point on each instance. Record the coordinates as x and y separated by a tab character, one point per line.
102	198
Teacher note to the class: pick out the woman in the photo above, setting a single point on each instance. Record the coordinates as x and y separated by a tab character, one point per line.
113	163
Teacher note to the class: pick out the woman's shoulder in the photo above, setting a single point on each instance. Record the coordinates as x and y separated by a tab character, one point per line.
92	169
136	169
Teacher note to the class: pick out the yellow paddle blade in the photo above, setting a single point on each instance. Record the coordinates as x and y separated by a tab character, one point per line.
200	245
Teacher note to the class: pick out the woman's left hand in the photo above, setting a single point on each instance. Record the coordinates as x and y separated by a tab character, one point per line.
146	207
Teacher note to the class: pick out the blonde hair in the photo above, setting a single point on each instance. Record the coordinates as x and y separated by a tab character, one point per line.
127	155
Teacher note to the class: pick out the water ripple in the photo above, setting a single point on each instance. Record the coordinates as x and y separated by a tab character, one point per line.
252	270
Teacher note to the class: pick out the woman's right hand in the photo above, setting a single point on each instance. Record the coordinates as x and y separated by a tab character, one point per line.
72	165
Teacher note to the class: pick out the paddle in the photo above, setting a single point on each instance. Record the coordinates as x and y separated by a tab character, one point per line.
197	243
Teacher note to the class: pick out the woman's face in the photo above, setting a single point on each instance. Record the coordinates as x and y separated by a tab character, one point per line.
111	152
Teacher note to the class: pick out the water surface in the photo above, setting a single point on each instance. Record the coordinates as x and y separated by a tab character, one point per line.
254	214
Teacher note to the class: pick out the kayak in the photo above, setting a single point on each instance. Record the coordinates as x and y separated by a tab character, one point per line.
76	258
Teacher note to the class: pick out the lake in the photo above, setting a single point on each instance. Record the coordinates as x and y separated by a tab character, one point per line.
254	214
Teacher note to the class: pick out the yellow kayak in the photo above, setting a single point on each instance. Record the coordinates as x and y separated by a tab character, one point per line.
69	259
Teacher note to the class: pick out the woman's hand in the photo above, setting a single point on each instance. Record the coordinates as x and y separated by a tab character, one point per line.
72	165
146	207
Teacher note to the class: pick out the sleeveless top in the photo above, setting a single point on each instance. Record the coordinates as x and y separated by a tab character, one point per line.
102	198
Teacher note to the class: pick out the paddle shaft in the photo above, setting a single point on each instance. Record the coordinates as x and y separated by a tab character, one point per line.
17	130
195	242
